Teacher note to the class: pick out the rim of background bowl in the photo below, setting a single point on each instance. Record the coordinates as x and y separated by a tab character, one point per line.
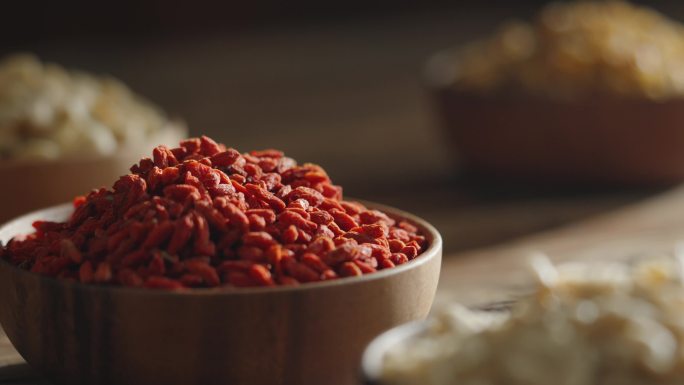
441	68
374	354
171	127
430	231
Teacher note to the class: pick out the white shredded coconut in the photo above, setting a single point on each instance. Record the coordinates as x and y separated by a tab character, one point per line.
47	112
585	324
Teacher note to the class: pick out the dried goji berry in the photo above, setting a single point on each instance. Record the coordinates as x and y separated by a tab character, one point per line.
314	262
201	215
86	273
260	275
398	258
293	218
350	269
225	158
342	219
159	235
103	273
290	234
182	232
128	277
162	283
259	239
204	270
70	251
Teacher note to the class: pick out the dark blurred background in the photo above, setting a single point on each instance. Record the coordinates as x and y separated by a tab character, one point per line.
337	83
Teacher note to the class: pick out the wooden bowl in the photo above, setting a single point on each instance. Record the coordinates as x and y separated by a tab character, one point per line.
595	140
30	185
310	334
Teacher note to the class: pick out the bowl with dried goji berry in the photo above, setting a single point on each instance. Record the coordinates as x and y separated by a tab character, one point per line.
207	265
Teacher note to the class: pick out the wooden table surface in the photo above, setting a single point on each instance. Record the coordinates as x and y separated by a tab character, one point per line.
350	97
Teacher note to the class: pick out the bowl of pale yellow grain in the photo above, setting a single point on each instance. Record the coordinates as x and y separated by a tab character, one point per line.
586	92
64	131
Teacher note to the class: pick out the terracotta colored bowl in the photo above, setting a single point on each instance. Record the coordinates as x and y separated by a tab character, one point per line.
30	185
598	140
310	334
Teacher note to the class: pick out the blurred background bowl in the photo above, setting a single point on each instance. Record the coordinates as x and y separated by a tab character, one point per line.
30	185
305	335
599	140
374	355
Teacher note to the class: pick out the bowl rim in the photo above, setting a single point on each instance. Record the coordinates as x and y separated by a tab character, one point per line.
373	355
440	69
434	249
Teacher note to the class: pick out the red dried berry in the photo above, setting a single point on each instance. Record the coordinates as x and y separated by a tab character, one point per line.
201	215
